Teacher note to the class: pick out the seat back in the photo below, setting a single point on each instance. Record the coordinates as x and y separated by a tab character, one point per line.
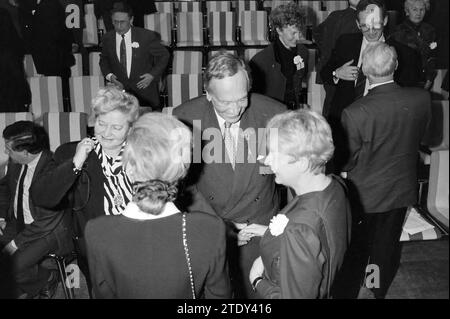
438	187
189	29
316	93
187	62
218	6
164	6
161	23
222	28
254	28
242	6
188	6
183	87
90	31
77	68
436	90
82	90
46	95
30	68
94	64
64	127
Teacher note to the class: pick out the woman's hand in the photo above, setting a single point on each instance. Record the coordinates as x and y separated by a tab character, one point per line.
255	230
85	146
257	269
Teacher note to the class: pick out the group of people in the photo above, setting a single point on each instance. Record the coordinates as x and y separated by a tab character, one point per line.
187	205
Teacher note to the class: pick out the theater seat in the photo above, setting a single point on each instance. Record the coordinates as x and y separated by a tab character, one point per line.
64	127
46	95
82	90
183	87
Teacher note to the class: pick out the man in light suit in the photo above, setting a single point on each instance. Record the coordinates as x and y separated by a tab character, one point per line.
133	58
228	176
27	232
383	133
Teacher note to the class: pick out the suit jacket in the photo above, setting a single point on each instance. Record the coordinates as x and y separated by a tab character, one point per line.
384	130
326	34
267	76
150	57
46	221
59	187
242	195
347	48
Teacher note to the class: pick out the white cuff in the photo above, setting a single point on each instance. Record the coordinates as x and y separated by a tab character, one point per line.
108	76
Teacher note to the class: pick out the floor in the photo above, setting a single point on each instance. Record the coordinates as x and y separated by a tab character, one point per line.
423	273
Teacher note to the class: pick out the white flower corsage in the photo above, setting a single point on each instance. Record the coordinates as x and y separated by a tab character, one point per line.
135	45
433	45
278	224
298	61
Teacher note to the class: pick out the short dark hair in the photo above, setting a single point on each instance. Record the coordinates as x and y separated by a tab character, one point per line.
122	7
26	135
362	5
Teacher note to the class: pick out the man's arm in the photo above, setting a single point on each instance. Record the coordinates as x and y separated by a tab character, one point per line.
353	142
105	58
160	56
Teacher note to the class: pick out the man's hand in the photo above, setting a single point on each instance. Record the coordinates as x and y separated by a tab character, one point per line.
147	78
113	80
10	248
2	225
347	72
255	230
257	269
243	238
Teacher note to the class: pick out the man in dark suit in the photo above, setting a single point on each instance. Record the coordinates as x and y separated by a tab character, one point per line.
28	232
133	58
325	35
384	130
343	67
226	172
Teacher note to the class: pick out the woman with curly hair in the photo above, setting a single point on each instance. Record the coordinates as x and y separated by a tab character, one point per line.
278	70
153	250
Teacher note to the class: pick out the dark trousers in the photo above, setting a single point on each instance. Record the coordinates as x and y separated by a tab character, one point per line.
383	231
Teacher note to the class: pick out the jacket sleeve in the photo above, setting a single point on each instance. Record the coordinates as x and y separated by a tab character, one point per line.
105	58
5	197
335	61
160	56
218	282
301	266
51	188
353	141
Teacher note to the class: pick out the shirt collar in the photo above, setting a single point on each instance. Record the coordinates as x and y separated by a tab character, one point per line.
127	35
34	162
222	121
134	212
372	86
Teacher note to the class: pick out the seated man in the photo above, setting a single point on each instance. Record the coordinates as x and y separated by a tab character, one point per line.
27	232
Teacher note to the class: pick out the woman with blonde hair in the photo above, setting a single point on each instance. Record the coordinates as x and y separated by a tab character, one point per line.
304	245
153	250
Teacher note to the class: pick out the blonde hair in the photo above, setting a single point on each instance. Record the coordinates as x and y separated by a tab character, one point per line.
304	133
410	3
158	149
110	99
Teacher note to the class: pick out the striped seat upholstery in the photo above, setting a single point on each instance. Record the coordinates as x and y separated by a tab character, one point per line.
90	35
30	68
64	127
77	68
316	93
46	95
276	3
94	64
101	25
218	6
164	6
313	12
241	6
5	120
190	29
187	62
161	23
436	90
222	28
250	53
312	60
334	5
82	90
438	187
254	28
183	87
188	6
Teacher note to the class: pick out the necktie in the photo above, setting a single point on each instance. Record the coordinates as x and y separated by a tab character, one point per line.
20	219
123	54
360	84
229	142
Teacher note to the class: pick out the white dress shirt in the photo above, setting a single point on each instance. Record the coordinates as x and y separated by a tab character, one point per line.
128	49
234	128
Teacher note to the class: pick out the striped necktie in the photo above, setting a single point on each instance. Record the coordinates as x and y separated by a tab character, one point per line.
360	84
123	54
229	143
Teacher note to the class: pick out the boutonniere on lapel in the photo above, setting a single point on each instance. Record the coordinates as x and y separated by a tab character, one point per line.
433	45
278	224
298	61
135	45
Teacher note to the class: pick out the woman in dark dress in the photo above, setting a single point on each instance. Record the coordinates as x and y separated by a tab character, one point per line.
421	37
304	245
154	250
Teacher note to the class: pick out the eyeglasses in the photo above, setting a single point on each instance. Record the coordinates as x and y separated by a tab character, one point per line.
365	28
241	102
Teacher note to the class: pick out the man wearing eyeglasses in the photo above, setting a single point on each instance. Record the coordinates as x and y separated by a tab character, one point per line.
343	69
228	180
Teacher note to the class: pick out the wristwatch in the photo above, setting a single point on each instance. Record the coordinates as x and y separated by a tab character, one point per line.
256	281
335	75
